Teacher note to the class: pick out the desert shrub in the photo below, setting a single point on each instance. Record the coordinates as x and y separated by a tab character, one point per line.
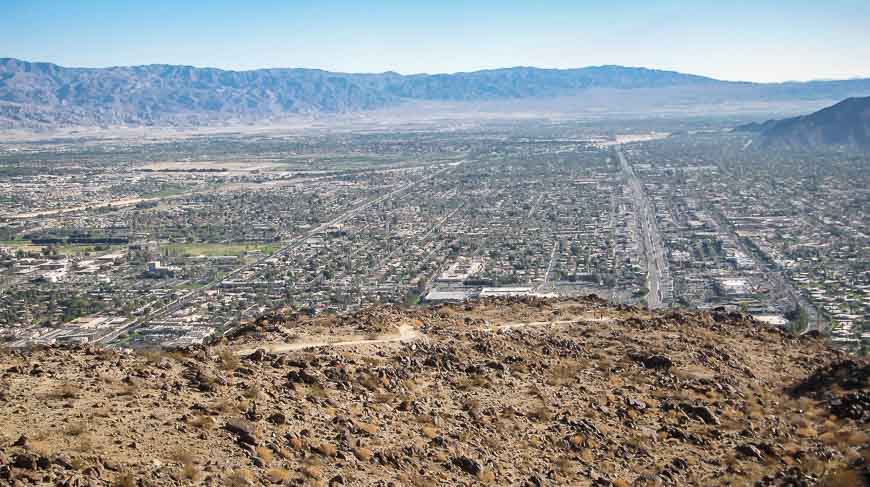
182	456
125	480
75	429
85	444
190	472
254	393
224	406
430	432
128	390
316	391
65	391
228	360
541	413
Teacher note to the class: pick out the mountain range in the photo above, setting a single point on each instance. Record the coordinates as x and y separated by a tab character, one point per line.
844	125
44	94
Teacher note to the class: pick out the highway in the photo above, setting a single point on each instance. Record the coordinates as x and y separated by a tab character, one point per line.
549	267
651	242
286	249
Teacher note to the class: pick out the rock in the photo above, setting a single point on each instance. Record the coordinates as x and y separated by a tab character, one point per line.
634	403
846	374
647	480
244	372
536	480
702	413
63	460
854	405
301	377
468	465
337	480
246	432
277	418
658	362
258	356
750	451
21	441
25	461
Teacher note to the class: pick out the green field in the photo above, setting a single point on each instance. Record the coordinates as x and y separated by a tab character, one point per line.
65	249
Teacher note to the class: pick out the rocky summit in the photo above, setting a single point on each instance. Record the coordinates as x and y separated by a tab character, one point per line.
508	392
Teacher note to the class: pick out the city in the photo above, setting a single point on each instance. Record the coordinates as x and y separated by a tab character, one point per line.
167	243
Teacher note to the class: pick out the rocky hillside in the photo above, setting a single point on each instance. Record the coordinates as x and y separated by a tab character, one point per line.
536	393
844	125
45	95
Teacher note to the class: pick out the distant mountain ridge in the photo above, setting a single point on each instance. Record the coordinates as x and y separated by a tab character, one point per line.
845	125
35	94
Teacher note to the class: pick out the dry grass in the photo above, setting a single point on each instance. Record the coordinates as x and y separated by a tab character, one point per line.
203	422
279	475
843	478
430	432
265	454
327	449
486	476
312	471
241	477
363	454
368	428
297	443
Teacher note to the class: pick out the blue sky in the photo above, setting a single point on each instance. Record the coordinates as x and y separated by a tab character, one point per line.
735	39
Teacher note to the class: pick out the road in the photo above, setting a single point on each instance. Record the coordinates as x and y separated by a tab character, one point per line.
549	267
815	321
651	242
292	244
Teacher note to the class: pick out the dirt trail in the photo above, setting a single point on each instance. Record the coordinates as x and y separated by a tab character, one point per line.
406	333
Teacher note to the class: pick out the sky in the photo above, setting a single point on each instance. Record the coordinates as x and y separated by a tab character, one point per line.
757	40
